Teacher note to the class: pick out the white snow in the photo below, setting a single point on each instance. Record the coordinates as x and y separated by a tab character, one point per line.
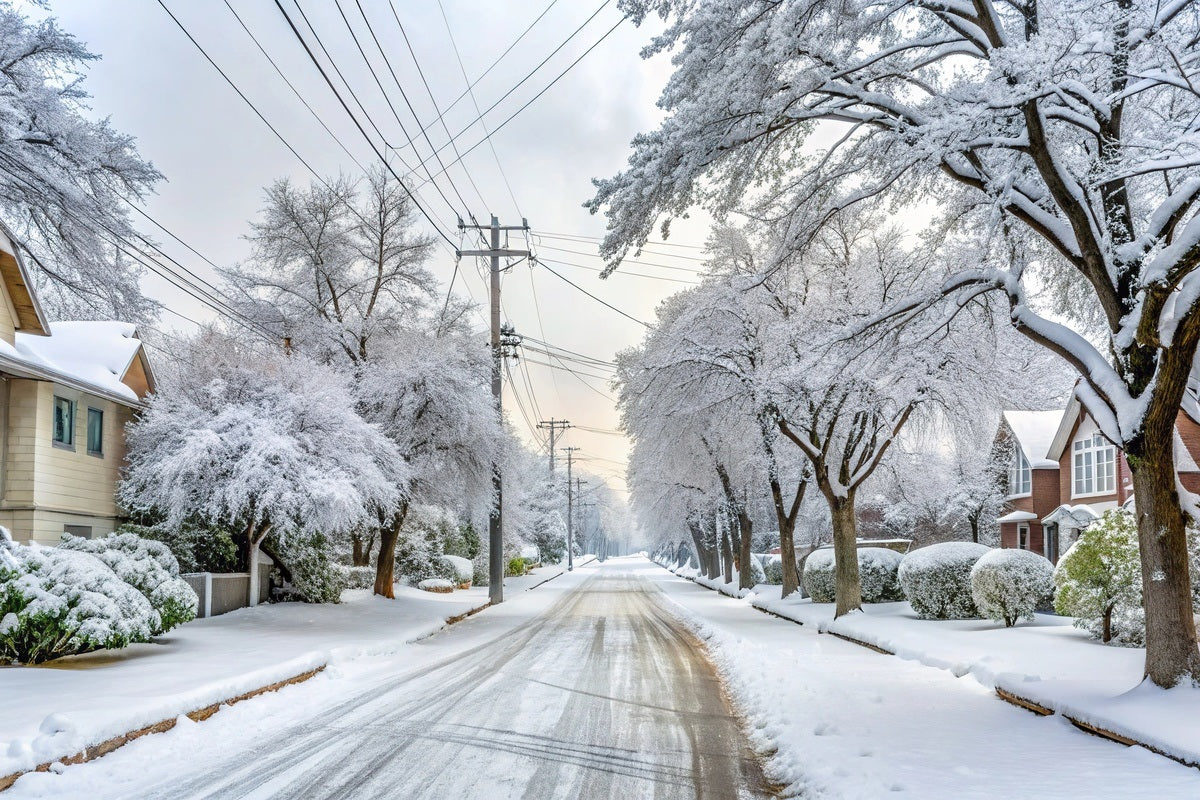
336	634
87	699
1034	431
835	720
1047	661
1017	516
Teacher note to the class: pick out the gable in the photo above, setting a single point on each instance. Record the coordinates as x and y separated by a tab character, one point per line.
19	300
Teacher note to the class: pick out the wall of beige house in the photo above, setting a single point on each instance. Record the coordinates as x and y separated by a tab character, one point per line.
46	486
8	325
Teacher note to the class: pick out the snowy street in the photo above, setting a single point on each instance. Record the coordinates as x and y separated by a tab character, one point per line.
585	687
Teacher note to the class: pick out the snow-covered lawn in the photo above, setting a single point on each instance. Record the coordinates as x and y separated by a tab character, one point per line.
55	710
838	720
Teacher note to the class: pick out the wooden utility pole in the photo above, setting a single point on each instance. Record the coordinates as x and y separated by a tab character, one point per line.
554	426
570	451
499	342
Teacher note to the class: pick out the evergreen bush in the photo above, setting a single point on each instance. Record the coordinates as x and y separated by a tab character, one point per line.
1099	581
937	579
1008	585
56	602
818	576
147	566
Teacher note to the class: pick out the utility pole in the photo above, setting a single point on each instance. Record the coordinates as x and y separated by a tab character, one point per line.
554	426
499	343
570	451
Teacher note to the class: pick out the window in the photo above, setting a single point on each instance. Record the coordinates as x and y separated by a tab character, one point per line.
82	531
95	431
1023	537
1020	476
1094	466
64	421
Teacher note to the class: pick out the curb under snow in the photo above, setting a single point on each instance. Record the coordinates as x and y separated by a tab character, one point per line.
1086	721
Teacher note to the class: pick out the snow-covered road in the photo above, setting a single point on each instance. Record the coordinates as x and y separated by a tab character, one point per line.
589	689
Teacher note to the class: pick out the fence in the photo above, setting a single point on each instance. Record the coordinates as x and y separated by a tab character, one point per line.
222	592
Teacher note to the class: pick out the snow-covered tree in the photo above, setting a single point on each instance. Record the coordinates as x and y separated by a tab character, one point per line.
1058	136
429	394
1098	581
336	265
270	444
65	177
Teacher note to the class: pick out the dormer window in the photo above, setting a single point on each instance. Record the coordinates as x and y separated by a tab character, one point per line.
1094	466
1020	476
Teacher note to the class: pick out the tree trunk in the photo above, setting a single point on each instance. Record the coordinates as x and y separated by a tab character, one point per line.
363	545
254	539
385	563
845	553
787	556
745	530
701	550
1106	633
726	552
1171	654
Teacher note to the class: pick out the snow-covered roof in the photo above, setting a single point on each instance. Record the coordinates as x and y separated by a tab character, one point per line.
1184	462
92	356
1072	516
1034	431
1018	516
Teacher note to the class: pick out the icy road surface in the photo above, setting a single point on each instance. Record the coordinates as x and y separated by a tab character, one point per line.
601	695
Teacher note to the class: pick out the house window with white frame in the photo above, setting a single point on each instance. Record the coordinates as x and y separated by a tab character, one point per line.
1020	476
64	422
1094	466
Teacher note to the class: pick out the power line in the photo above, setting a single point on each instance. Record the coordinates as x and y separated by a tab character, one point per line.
531	100
312	57
621	272
597	299
474	102
690	270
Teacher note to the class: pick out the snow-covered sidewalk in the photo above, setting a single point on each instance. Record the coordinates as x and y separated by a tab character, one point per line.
1047	661
837	720
56	710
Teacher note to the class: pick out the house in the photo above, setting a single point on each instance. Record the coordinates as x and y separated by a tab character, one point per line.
1064	474
67	390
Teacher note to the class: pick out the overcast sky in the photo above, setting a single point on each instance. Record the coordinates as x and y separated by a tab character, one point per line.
218	155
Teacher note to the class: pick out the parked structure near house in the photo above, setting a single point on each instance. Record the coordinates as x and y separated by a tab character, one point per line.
1064	474
66	391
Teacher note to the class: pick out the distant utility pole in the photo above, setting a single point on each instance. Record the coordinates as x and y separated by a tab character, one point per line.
500	341
570	451
554	426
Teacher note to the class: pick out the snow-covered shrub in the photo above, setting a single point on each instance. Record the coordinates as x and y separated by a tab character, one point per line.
57	602
356	577
877	567
463	568
314	579
937	579
818	577
773	571
1099	581
878	571
147	566
197	548
757	575
1009	585
481	575
439	585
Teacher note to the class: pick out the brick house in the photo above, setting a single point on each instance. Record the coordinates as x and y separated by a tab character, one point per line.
1063	474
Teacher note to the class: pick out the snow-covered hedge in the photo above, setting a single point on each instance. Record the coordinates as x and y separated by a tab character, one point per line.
937	579
818	576
147	566
57	602
877	571
440	585
357	577
1009	585
463	568
772	569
